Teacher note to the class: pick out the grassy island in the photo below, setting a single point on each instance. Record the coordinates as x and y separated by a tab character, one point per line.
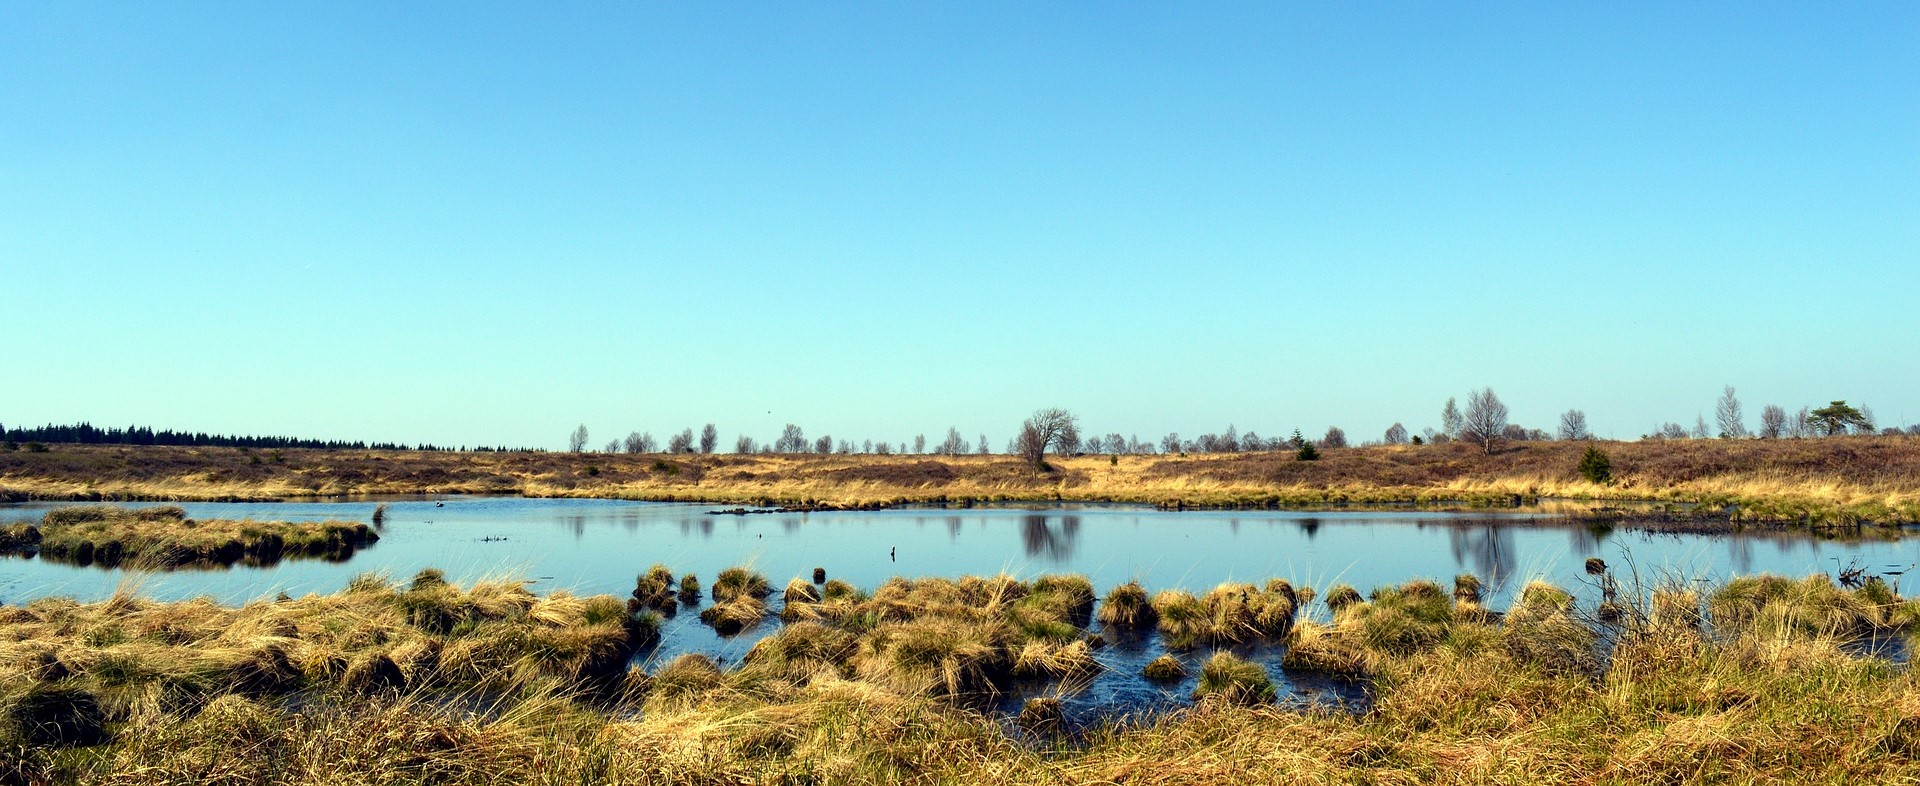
163	537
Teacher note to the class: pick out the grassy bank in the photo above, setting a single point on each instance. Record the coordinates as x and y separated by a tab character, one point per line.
1836	481
163	537
430	683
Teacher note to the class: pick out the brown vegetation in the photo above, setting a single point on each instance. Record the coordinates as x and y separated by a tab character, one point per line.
1835	480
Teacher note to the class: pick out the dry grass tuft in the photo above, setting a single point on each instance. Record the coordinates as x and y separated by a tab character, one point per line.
1227	677
1165	668
734	583
1127	608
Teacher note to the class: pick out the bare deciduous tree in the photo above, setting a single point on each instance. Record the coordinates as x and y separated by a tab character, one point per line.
613	446
744	444
681	442
984	449
919	443
791	440
1170	443
1773	422
709	439
640	442
1733	423
1450	421
1485	420
823	445
1573	425
1700	427
1049	429
1069	441
577	441
954	444
1396	434
1335	438
1801	424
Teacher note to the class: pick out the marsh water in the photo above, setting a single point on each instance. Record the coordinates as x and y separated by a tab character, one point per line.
598	546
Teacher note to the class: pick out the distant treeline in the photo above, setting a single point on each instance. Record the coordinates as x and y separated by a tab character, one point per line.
88	434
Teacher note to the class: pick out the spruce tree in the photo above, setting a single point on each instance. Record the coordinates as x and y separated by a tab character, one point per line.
1595	466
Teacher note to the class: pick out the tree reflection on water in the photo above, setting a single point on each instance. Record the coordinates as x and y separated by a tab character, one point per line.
1043	540
1486	548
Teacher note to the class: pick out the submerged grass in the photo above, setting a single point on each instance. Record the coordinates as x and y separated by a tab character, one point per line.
1746	682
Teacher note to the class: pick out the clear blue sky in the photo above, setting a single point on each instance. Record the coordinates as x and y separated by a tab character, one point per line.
486	223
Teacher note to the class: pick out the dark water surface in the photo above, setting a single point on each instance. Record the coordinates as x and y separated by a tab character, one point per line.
598	546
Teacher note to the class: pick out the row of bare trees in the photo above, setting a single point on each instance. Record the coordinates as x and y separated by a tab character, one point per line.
1837	418
792	439
1483	422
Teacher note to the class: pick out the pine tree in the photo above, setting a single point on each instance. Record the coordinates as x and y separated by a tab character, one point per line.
1595	466
1304	450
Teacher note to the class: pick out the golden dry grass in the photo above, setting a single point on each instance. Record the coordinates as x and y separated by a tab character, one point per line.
1836	480
1736	700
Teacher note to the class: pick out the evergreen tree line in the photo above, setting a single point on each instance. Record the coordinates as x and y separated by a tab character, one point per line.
89	434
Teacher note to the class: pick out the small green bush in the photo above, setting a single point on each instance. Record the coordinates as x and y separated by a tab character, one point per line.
1595	466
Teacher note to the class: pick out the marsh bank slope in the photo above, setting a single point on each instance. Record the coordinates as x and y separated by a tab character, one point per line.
1842	480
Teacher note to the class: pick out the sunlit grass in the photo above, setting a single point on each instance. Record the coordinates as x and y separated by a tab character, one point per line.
424	681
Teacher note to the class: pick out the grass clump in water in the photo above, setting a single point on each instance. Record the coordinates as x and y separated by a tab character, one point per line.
1073	660
738	613
1042	716
1812	606
799	594
1227	614
1466	588
737	582
1341	596
1128	608
1227	677
654	590
1165	668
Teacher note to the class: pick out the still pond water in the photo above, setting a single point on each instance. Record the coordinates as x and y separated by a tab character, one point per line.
598	546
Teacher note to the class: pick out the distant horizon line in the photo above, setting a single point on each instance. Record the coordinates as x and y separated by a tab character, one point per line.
643	442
